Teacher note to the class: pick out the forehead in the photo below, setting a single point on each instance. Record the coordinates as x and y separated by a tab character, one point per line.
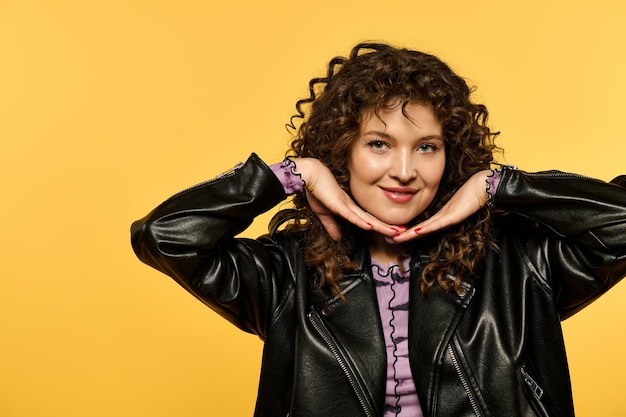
392	105
419	114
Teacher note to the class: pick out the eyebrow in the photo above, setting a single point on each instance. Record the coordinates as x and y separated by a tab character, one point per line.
388	136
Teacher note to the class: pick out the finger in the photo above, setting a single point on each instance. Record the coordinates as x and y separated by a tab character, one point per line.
367	221
326	215
411	233
436	223
364	222
344	207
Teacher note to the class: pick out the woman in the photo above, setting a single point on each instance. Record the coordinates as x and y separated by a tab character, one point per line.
409	279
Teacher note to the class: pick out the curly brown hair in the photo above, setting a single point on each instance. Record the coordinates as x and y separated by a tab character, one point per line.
372	76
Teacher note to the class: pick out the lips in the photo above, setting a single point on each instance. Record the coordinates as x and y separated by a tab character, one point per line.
399	194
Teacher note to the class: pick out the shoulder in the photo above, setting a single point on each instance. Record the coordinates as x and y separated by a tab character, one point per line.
290	244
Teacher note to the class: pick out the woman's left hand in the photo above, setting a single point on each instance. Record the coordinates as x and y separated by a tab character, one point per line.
468	199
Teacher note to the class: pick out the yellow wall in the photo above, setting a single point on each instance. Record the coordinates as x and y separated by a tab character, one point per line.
107	107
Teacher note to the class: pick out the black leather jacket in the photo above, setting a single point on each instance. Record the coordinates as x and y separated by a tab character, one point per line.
495	350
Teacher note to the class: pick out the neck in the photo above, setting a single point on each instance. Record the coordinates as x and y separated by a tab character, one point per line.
384	251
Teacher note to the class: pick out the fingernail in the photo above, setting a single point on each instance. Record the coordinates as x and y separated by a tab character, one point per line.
417	230
370	225
395	230
402	227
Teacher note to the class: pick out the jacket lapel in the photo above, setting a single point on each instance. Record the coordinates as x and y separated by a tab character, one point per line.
355	325
432	321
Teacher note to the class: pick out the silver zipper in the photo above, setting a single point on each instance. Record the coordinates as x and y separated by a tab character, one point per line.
466	387
547	174
323	332
534	387
226	174
559	174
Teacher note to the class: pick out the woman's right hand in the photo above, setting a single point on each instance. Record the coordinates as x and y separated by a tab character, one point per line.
327	200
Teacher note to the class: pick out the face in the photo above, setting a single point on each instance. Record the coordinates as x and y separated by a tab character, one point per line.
396	163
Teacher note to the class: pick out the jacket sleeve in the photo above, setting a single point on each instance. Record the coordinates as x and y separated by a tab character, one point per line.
581	233
190	237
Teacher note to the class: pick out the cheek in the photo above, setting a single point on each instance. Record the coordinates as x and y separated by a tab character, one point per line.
360	183
434	176
439	170
363	171
364	176
438	177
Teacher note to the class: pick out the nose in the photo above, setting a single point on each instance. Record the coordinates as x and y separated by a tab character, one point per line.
404	167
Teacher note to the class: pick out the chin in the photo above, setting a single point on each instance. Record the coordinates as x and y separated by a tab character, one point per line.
397	221
397	216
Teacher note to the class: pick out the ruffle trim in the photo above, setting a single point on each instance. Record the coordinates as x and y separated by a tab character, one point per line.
492	182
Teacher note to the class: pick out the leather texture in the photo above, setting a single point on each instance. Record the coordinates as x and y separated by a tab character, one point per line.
495	350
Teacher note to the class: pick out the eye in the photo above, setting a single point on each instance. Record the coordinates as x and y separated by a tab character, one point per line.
378	145
427	148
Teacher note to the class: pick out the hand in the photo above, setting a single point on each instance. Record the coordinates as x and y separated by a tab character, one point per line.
327	200
468	199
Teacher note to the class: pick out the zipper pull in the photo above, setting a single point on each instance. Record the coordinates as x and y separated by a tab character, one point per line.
230	171
532	384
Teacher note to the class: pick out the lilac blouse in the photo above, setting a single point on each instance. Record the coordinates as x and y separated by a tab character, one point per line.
392	291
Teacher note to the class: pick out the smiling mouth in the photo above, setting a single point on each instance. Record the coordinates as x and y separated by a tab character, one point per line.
399	195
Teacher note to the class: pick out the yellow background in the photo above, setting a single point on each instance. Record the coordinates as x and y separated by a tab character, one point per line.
108	107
